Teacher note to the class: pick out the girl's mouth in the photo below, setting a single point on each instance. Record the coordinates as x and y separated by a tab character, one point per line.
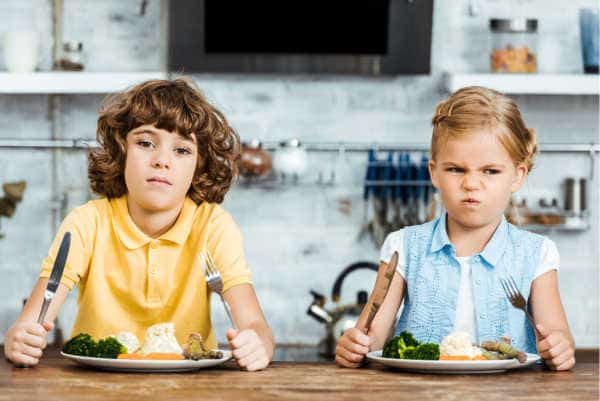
470	202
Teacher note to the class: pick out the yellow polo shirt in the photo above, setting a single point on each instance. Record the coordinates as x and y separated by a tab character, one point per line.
129	281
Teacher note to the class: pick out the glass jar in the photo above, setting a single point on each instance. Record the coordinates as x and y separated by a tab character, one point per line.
513	45
73	57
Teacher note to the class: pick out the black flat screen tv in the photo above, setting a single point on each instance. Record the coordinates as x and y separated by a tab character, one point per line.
363	37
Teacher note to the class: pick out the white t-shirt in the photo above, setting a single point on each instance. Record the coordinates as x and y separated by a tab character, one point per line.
465	309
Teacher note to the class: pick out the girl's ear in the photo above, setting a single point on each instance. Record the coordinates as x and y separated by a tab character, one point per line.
432	173
520	175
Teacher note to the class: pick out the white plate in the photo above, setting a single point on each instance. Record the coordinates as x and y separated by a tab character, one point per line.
144	366
452	367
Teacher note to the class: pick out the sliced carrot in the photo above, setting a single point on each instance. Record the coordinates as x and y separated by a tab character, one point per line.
461	358
153	356
165	355
131	356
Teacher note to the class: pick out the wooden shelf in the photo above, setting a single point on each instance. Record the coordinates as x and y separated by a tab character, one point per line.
528	84
72	82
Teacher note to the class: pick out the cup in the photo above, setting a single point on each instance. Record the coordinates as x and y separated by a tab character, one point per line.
20	51
589	27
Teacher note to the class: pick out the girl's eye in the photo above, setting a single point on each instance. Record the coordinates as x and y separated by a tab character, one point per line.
183	151
491	171
454	170
145	144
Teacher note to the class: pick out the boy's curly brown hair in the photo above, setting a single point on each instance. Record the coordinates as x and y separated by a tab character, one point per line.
176	106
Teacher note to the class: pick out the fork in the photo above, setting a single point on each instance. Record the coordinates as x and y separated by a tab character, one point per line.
214	281
517	300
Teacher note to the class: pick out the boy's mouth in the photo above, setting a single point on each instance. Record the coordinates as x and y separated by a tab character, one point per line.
159	180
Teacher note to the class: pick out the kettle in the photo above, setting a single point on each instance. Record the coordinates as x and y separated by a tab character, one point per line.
341	317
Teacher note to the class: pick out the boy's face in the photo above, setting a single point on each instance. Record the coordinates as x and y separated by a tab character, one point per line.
159	167
475	176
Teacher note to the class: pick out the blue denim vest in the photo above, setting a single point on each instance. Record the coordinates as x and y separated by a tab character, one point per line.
433	277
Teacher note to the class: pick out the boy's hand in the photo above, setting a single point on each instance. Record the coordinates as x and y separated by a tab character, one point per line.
556	349
248	349
25	341
352	348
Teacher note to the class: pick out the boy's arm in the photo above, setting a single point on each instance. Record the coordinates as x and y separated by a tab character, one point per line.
247	314
383	323
25	339
32	308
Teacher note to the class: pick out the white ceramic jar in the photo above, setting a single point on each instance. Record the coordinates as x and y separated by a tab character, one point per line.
20	49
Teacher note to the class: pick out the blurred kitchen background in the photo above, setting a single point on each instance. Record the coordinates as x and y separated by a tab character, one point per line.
311	121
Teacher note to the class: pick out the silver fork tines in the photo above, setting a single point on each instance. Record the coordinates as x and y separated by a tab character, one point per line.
516	299
214	281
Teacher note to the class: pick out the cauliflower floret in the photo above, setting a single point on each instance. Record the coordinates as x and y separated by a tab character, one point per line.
129	340
160	338
459	344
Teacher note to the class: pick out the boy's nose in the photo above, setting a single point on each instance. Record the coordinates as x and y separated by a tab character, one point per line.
161	161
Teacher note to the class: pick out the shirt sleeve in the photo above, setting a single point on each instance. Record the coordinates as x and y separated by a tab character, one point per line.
226	246
81	223
550	258
394	242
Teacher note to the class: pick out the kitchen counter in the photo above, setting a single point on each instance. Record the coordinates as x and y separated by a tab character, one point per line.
56	378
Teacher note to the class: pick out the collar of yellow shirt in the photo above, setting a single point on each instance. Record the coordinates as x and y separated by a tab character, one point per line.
132	237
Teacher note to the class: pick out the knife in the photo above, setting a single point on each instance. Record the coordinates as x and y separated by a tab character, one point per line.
382	285
55	276
54	280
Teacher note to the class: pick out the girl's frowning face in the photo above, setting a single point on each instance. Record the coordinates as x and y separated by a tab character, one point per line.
476	177
159	167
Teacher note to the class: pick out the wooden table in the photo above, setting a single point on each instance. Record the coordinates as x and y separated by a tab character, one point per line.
56	378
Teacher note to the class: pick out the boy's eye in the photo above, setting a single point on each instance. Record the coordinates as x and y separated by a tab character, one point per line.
183	151
491	171
145	144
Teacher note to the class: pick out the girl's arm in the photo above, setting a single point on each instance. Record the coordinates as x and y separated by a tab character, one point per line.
25	339
253	344
383	323
556	346
354	345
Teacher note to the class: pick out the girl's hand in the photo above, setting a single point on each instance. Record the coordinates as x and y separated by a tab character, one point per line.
248	349
352	348
25	341
556	349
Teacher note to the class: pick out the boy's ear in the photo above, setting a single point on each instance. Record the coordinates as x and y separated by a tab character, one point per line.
520	175
432	173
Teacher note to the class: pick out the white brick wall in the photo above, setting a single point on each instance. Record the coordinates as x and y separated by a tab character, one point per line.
295	237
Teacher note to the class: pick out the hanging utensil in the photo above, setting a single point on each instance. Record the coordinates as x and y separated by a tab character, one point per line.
370	176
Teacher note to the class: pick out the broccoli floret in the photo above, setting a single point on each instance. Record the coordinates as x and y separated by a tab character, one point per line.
82	344
405	346
408	339
110	347
425	351
390	350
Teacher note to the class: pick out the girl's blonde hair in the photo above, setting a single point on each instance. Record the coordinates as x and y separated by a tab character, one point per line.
474	108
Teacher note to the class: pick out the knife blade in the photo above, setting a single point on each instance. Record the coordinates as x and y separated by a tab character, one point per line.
380	290
56	275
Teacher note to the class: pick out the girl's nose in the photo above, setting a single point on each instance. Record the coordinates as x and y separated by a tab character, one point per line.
471	182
